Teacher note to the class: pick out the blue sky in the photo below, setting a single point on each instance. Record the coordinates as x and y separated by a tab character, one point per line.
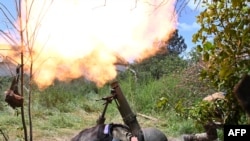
187	25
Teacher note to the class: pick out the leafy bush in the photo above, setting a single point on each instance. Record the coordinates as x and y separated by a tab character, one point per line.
65	96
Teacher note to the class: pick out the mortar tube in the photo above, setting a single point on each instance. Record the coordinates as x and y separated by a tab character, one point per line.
128	116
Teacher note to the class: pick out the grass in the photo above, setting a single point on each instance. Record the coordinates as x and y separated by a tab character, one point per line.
62	110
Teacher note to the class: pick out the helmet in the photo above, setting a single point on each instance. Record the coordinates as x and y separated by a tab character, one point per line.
153	134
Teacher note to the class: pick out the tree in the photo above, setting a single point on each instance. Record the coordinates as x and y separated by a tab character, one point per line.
176	45
224	45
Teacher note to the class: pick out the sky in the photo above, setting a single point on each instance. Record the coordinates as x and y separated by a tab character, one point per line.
187	25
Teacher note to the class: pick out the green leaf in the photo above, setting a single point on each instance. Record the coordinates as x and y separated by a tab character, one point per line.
227	21
199	49
235	3
205	56
208	46
195	38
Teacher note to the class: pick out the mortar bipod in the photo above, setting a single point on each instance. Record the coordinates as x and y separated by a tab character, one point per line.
107	100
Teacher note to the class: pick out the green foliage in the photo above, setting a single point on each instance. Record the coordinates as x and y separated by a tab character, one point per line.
5	83
59	95
62	121
206	111
170	97
153	95
220	111
177	126
159	65
176	44
162	103
224	45
9	124
224	52
185	88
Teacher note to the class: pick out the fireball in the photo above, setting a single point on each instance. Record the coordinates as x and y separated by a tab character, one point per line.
68	39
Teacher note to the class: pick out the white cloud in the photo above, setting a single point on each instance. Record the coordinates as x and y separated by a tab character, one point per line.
188	27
